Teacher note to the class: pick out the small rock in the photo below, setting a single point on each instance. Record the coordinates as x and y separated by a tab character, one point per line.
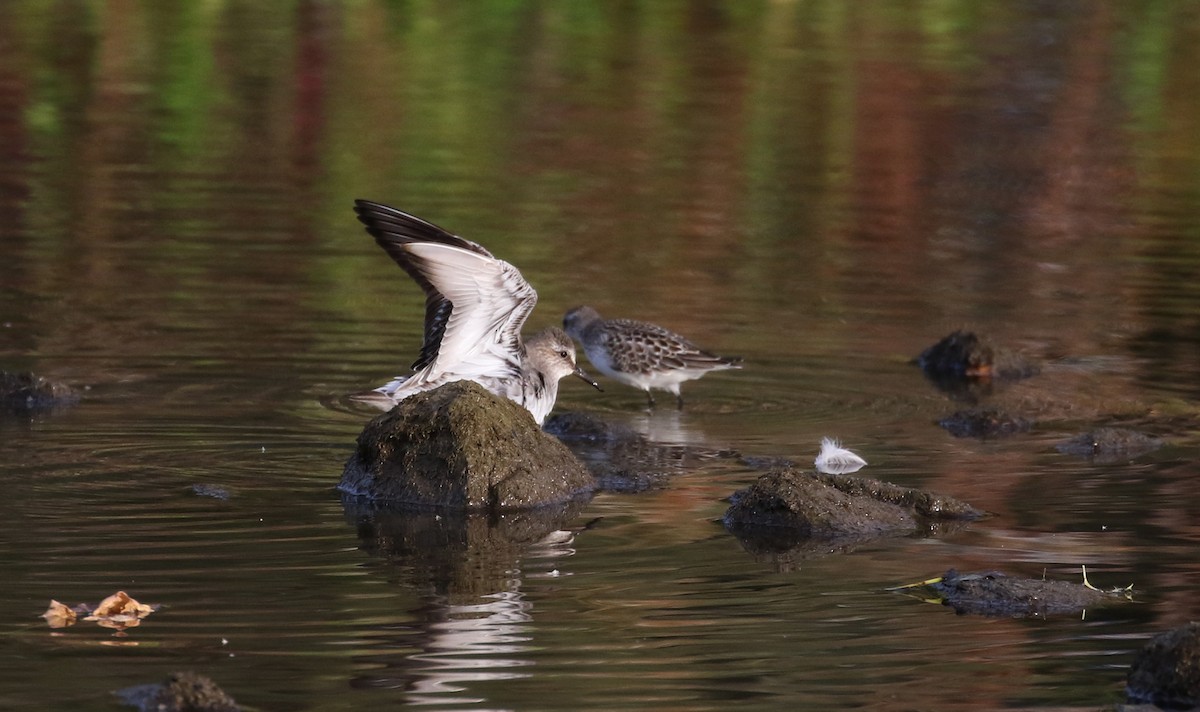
584	427
1110	444
25	393
180	692
984	423
787	509
1166	671
965	365
462	448
963	354
993	593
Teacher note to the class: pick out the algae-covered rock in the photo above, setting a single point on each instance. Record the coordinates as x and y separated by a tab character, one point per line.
994	593
1110	444
26	393
984	423
1167	670
964	355
787	509
181	692
460	447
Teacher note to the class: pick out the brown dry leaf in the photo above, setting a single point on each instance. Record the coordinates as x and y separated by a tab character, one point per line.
59	615
120	603
119	611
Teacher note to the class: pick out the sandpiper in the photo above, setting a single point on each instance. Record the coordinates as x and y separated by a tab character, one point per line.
640	354
475	306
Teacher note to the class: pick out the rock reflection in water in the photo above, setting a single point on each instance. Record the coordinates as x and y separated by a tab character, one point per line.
623	459
468	571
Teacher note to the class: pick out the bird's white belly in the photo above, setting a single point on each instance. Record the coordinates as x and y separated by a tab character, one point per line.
665	378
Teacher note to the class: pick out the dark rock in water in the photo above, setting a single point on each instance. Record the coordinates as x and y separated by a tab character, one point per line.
466	554
960	353
26	393
585	427
620	458
789	510
1166	671
965	355
983	423
963	364
181	692
460	447
994	593
1110	444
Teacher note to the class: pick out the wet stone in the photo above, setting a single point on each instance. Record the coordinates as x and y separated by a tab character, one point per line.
789	509
180	692
984	423
1110	444
994	593
963	354
1166	672
27	393
460	447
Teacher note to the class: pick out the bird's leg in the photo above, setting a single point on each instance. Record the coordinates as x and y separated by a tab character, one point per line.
679	401
649	399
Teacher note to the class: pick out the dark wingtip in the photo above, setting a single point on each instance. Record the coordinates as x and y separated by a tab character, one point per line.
392	225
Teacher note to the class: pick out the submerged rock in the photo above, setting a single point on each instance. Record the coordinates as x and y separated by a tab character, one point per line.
180	692
1110	444
993	593
984	423
462	448
1166	671
788	509
25	393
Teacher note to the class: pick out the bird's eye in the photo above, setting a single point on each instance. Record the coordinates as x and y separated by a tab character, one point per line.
563	353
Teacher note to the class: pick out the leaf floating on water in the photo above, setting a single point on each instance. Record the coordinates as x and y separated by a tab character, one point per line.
118	611
59	615
120	604
836	460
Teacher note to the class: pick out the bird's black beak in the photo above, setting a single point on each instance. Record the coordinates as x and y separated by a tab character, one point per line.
587	379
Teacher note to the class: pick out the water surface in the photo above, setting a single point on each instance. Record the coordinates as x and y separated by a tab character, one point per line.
823	188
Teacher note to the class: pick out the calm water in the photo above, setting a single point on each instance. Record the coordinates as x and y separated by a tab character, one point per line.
824	188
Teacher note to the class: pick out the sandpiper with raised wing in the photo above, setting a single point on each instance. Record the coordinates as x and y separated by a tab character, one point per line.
475	306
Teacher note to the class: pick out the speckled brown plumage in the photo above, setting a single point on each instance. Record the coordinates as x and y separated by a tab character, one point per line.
641	354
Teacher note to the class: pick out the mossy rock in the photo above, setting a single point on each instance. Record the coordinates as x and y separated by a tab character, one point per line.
180	692
790	509
27	393
461	448
1166	671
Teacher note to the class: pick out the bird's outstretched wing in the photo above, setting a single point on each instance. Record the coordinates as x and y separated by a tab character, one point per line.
475	304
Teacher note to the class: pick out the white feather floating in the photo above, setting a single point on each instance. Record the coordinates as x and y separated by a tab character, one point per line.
836	460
